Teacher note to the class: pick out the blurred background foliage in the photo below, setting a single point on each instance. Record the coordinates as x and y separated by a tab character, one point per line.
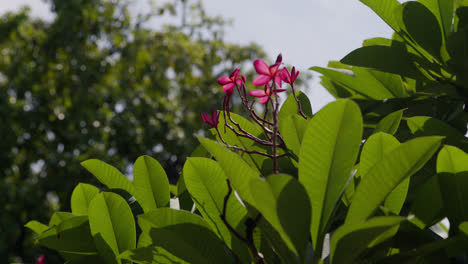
96	83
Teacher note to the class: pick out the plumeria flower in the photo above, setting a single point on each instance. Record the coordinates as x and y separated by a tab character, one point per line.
267	73
41	260
212	120
264	95
228	82
289	77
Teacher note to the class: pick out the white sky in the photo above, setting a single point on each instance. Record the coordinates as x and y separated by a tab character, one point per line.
307	32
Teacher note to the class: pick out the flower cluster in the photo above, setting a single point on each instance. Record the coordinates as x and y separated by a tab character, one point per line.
271	77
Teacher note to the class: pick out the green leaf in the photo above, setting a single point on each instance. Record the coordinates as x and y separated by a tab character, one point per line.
150	255
276	243
350	240
337	90
452	169
81	198
390	123
235	168
292	130
391	170
421	26
366	85
428	126
391	59
464	227
185	200
59	217
206	182
284	202
375	149
184	235
329	150
112	225
427	207
108	175
443	11
385	8
290	107
151	183
36	227
377	88
72	235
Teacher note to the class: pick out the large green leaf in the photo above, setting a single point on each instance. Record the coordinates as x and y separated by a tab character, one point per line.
391	170
337	90
59	217
81	198
392	59
290	107
151	183
366	85
72	235
373	151
329	150
112	225
427	207
36	227
150	255
185	200
276	242
184	235
350	240
390	123
235	168
206	182
452	169
108	175
292	130
284	202
370	78
421	26
429	126
443	11
385	8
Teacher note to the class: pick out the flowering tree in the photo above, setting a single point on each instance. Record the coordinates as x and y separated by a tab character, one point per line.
286	186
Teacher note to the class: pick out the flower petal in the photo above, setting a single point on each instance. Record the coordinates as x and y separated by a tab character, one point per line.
264	100
228	87
278	79
239	82
279	91
234	73
206	119
274	69
261	67
261	80
257	93
223	80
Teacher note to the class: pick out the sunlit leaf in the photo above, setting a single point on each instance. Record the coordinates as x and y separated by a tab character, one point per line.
329	150
386	174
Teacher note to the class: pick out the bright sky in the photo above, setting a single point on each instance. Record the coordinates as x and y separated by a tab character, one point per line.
307	32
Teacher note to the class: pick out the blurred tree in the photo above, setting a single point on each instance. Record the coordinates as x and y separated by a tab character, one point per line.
97	83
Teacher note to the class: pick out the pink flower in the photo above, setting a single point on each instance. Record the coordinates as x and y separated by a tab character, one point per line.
264	95
41	260
212	120
228	82
289	77
267	73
